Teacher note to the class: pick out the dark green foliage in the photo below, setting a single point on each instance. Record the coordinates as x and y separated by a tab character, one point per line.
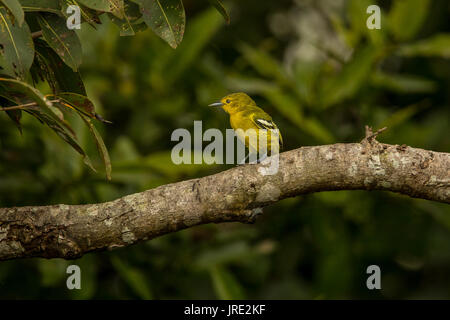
56	59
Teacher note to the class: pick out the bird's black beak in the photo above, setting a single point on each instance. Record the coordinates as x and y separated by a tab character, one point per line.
216	104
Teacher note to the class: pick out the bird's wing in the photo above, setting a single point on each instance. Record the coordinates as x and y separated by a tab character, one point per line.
266	123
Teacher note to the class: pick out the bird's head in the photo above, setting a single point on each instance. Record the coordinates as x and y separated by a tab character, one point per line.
233	102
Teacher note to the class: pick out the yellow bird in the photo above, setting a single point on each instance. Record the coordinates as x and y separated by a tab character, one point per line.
245	115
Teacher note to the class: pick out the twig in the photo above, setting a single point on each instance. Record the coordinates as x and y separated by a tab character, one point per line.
25	106
34	105
20	107
36	34
370	135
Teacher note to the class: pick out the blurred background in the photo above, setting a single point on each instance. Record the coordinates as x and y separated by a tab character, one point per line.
322	75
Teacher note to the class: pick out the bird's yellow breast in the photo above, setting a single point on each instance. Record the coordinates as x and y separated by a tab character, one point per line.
241	122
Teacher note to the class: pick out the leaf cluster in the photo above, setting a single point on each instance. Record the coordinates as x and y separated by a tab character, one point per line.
38	48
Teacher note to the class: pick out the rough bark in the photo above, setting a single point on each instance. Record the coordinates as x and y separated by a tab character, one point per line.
69	231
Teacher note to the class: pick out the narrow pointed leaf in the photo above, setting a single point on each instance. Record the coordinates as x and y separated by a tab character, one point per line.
166	18
403	83
41	5
407	17
102	150
100	5
16	47
15	86
401	116
65	42
78	101
225	284
291	109
264	63
14	115
60	77
127	24
350	79
88	15
16	9
134	277
435	46
116	7
41	70
45	113
63	134
198	37
220	7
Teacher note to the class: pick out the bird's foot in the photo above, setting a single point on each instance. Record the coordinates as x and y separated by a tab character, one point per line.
261	159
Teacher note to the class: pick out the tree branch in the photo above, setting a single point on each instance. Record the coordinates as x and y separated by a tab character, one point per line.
30	105
69	231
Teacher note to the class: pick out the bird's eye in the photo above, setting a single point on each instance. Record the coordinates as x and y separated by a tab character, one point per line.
228	101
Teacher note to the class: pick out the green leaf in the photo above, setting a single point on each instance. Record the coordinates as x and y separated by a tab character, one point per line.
63	134
41	5
15	116
88	15
263	63
80	102
438	45
403	83
15	86
102	150
220	7
116	7
401	116
133	277
16	47
357	12
45	113
65	42
60	77
290	109
166	18
85	108
41	70
127	24
407	17
225	284
16	9
19	96
99	5
351	78
201	29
